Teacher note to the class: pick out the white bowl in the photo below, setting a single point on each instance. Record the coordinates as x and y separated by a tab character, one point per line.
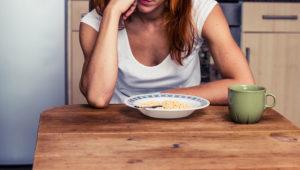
194	101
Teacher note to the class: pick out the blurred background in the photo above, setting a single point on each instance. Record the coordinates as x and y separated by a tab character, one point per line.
41	61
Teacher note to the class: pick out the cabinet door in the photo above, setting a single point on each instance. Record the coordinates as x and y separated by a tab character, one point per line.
76	69
271	17
75	56
79	9
274	60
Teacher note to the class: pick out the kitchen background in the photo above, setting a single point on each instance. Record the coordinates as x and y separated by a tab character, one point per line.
41	61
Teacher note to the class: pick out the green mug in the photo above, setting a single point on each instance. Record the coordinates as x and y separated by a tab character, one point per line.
247	102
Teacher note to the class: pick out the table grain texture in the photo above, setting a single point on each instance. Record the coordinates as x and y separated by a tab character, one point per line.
119	137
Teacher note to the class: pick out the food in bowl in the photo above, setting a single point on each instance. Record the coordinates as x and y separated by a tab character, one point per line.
194	103
167	104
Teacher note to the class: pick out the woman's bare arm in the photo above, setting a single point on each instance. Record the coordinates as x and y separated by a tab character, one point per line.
229	59
100	69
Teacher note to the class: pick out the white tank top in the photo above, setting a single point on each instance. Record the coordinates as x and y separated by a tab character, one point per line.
135	78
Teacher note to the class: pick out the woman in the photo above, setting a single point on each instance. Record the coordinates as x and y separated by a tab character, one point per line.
156	50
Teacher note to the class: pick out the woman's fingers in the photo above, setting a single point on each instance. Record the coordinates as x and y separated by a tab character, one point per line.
121	5
129	11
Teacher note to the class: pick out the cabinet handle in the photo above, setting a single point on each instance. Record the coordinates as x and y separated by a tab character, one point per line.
280	17
248	54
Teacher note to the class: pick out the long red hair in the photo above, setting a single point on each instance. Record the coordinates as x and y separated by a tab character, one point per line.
178	22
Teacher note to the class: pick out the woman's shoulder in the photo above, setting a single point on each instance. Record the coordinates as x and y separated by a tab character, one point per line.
92	19
203	6
201	10
203	3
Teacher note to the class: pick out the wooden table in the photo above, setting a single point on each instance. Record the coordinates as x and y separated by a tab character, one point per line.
119	137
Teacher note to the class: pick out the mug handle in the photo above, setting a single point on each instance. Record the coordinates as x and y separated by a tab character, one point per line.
274	100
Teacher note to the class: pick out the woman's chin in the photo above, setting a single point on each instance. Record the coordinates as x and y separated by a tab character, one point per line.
143	9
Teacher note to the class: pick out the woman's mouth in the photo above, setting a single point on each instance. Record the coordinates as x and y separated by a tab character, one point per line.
144	2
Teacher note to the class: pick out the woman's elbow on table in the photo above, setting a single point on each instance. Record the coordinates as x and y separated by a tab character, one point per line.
93	98
97	101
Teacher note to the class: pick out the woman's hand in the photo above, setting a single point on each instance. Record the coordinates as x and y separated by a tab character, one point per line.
125	7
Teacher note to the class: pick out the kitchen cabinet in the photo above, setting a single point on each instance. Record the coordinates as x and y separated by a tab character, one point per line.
270	39
77	9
